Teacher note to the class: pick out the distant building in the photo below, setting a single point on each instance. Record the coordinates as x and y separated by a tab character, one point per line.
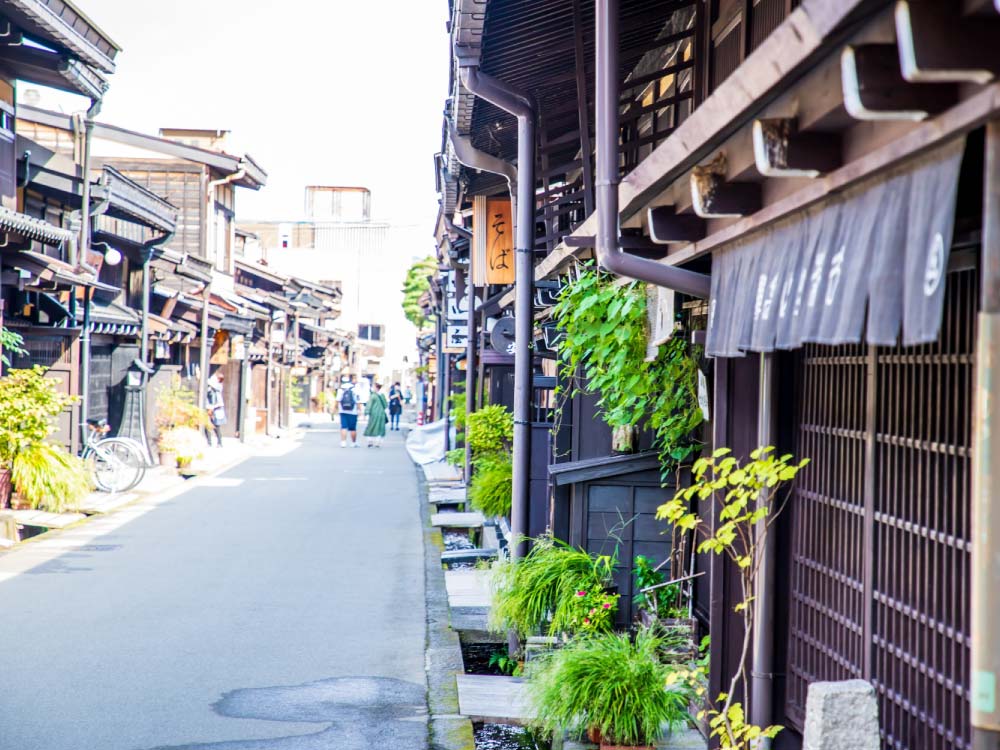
338	245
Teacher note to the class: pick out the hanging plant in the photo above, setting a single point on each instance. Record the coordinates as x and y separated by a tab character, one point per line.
604	351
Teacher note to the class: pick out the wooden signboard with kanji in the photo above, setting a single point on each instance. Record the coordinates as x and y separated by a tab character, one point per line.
493	232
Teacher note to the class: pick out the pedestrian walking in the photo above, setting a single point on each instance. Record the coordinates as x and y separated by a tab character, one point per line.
408	395
395	406
348	400
376	410
216	407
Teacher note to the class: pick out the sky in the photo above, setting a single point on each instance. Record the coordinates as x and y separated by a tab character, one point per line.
342	92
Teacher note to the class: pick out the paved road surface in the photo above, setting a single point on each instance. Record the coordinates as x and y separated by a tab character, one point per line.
281	608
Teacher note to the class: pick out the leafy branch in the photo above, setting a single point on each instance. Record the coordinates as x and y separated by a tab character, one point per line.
750	506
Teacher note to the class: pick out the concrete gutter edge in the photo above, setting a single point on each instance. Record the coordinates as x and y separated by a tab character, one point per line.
447	729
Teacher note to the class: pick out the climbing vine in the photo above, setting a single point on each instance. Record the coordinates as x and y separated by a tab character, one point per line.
604	352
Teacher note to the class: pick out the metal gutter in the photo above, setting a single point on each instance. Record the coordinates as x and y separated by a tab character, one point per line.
519	104
610	254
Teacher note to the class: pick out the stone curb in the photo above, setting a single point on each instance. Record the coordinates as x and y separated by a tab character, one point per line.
446	728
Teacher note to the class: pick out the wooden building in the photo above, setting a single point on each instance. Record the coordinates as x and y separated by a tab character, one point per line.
830	169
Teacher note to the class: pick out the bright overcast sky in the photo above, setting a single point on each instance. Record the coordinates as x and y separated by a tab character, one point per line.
337	92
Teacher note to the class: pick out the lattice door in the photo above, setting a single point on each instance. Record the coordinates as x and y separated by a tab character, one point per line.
880	555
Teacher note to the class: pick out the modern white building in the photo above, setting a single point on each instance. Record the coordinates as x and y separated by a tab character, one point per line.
338	244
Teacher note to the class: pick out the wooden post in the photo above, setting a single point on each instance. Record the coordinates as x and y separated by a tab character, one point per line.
985	709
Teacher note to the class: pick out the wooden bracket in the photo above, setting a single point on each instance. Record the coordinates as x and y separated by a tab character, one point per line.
937	45
714	198
666	226
781	151
874	87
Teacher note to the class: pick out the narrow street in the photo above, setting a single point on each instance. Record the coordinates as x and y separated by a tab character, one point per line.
280	605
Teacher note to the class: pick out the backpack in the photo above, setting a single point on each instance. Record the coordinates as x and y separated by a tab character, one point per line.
347	402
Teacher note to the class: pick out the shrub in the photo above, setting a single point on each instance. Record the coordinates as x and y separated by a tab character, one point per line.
47	476
609	685
541	587
491	486
490	430
455	457
176	407
29	404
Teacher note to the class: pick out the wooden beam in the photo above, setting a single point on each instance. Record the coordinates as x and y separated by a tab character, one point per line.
781	151
966	116
937	45
667	226
874	87
714	198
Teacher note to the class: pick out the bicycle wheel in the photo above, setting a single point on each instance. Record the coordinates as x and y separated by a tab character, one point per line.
118	467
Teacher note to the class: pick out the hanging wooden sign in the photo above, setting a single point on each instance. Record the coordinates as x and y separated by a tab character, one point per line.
493	241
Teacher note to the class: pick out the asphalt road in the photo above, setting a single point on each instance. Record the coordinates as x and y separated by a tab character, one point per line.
281	607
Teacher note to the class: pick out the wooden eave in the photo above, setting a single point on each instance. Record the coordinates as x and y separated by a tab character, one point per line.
60	24
226	164
603	467
795	73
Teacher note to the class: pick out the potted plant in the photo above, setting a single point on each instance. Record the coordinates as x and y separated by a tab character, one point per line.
183	444
177	416
540	591
29	405
47	476
611	687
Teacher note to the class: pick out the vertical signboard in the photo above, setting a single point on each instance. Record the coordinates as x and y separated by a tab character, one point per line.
493	241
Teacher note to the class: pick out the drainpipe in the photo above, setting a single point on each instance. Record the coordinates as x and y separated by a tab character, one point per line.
762	654
209	237
521	105
609	252
470	370
473	158
79	254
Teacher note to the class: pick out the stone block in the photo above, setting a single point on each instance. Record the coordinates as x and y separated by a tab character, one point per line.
841	716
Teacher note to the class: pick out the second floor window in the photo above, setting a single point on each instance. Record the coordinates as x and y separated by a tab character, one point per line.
370	332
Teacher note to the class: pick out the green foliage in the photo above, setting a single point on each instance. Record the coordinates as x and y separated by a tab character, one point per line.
456	408
491	485
745	495
29	405
455	457
176	407
47	476
414	287
610	685
664	603
295	398
604	351
489	431
505	664
10	341
540	588
729	727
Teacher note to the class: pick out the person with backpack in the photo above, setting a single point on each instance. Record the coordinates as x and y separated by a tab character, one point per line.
395	406
348	400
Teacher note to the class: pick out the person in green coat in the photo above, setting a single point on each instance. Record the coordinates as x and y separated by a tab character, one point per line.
377	411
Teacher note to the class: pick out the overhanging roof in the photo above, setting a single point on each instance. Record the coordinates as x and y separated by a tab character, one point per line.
61	24
254	179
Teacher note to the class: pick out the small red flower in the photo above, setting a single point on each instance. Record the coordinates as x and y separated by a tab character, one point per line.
586	621
593	610
581	593
606	605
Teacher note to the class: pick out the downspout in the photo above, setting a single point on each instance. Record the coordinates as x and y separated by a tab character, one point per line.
470	369
473	158
79	254
520	105
208	238
609	252
762	653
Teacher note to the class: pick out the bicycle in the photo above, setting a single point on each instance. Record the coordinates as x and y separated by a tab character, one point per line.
118	462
